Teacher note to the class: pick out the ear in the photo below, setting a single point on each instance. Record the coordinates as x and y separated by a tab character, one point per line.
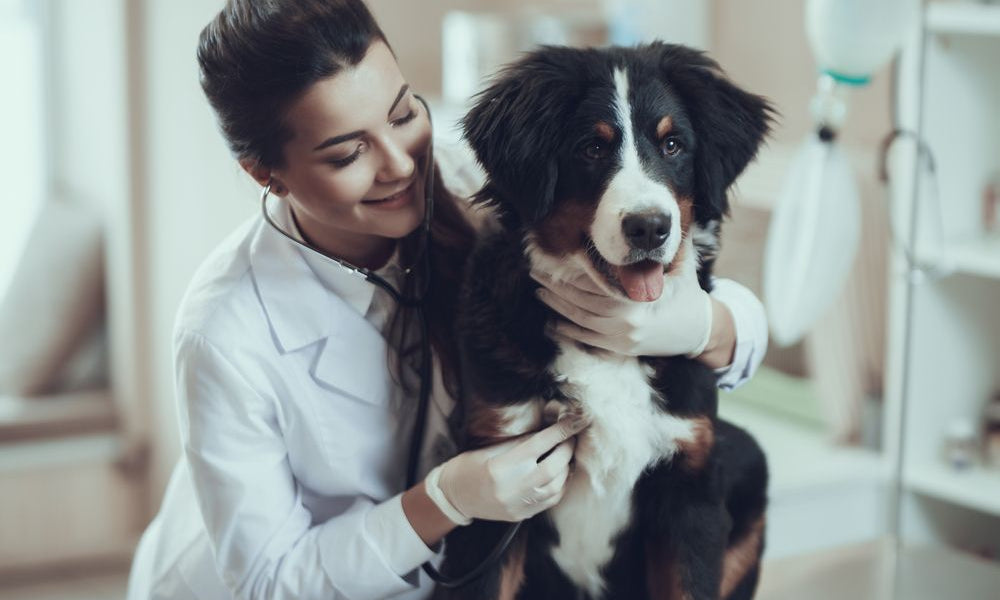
514	128
730	124
263	176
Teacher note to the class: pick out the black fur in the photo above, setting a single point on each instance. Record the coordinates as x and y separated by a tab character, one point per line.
526	129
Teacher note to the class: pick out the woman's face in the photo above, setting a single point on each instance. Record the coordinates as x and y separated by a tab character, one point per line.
355	165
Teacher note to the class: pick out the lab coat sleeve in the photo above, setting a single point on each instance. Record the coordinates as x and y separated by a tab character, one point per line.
750	320
262	535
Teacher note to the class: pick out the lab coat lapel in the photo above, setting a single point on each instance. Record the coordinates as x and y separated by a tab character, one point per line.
302	312
294	300
354	358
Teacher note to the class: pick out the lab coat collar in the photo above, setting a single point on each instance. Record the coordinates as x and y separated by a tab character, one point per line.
301	296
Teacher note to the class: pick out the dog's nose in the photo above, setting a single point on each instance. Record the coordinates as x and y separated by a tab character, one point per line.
646	231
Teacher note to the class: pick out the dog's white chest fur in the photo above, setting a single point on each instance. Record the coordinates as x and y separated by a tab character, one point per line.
628	434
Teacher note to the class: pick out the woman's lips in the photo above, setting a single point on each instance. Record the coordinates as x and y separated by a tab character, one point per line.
397	200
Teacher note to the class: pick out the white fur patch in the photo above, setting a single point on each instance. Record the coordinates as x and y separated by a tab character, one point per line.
628	435
631	190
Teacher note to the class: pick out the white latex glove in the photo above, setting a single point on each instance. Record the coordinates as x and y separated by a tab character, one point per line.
508	481
678	322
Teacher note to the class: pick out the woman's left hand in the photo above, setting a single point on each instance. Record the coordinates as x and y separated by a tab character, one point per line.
674	324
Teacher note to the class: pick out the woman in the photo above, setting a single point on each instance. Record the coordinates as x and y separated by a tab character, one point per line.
296	378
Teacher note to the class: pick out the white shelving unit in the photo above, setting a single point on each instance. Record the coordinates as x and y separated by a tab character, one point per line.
978	256
944	331
963	18
976	488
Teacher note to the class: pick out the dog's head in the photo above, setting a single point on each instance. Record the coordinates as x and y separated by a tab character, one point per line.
620	158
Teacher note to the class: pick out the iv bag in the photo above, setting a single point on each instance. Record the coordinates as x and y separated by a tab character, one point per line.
854	38
812	240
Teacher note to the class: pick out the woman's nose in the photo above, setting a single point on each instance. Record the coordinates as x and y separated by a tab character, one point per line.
396	162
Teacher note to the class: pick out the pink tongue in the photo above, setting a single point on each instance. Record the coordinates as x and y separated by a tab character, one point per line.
643	281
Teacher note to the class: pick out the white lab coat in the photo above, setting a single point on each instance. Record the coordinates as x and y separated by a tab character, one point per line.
295	434
295	437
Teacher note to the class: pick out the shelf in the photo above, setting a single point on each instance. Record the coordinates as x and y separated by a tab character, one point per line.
975	256
976	488
802	458
54	417
964	18
979	256
865	572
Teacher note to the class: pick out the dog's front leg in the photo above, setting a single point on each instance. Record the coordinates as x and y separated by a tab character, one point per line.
468	547
684	557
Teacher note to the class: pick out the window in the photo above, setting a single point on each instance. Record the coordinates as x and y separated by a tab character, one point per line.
22	126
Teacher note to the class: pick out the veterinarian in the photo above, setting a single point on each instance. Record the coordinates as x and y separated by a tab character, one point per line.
298	373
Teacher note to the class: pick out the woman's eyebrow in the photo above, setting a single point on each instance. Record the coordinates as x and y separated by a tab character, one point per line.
338	139
356	134
399	97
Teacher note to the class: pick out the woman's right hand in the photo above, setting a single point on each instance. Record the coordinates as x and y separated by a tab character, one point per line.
510	481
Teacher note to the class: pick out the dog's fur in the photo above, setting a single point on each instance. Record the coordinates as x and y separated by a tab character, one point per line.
666	500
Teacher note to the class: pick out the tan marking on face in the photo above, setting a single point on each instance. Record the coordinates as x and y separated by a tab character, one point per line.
605	131
664	127
741	557
695	452
565	230
686	206
512	572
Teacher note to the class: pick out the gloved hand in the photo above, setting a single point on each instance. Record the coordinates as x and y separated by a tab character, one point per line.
507	481
678	322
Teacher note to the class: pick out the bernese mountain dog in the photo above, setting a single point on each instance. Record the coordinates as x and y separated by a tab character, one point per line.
614	162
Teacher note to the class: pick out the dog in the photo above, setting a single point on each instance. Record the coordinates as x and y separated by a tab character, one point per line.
614	162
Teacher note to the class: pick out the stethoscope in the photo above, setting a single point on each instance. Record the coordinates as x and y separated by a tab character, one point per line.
422	269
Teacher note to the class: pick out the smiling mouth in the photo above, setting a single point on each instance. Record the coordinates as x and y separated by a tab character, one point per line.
640	281
389	199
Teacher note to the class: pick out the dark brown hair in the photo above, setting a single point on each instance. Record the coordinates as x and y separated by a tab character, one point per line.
256	58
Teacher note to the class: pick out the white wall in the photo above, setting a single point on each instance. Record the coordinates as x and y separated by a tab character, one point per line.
133	132
195	193
90	159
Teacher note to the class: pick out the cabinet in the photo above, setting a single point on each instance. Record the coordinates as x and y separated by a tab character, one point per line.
944	317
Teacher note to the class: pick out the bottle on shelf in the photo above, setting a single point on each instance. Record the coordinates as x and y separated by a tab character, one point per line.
991	204
991	432
961	448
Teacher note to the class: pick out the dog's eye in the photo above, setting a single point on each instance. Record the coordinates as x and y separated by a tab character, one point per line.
595	151
671	146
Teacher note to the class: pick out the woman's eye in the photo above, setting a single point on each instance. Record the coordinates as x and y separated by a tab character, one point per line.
406	119
595	151
343	162
671	146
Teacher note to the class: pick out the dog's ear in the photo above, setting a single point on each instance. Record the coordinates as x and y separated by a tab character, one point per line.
730	124
515	128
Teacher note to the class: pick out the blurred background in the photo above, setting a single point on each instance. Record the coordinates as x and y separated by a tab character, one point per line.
881	422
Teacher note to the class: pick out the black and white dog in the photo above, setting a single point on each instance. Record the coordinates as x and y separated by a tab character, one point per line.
615	162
